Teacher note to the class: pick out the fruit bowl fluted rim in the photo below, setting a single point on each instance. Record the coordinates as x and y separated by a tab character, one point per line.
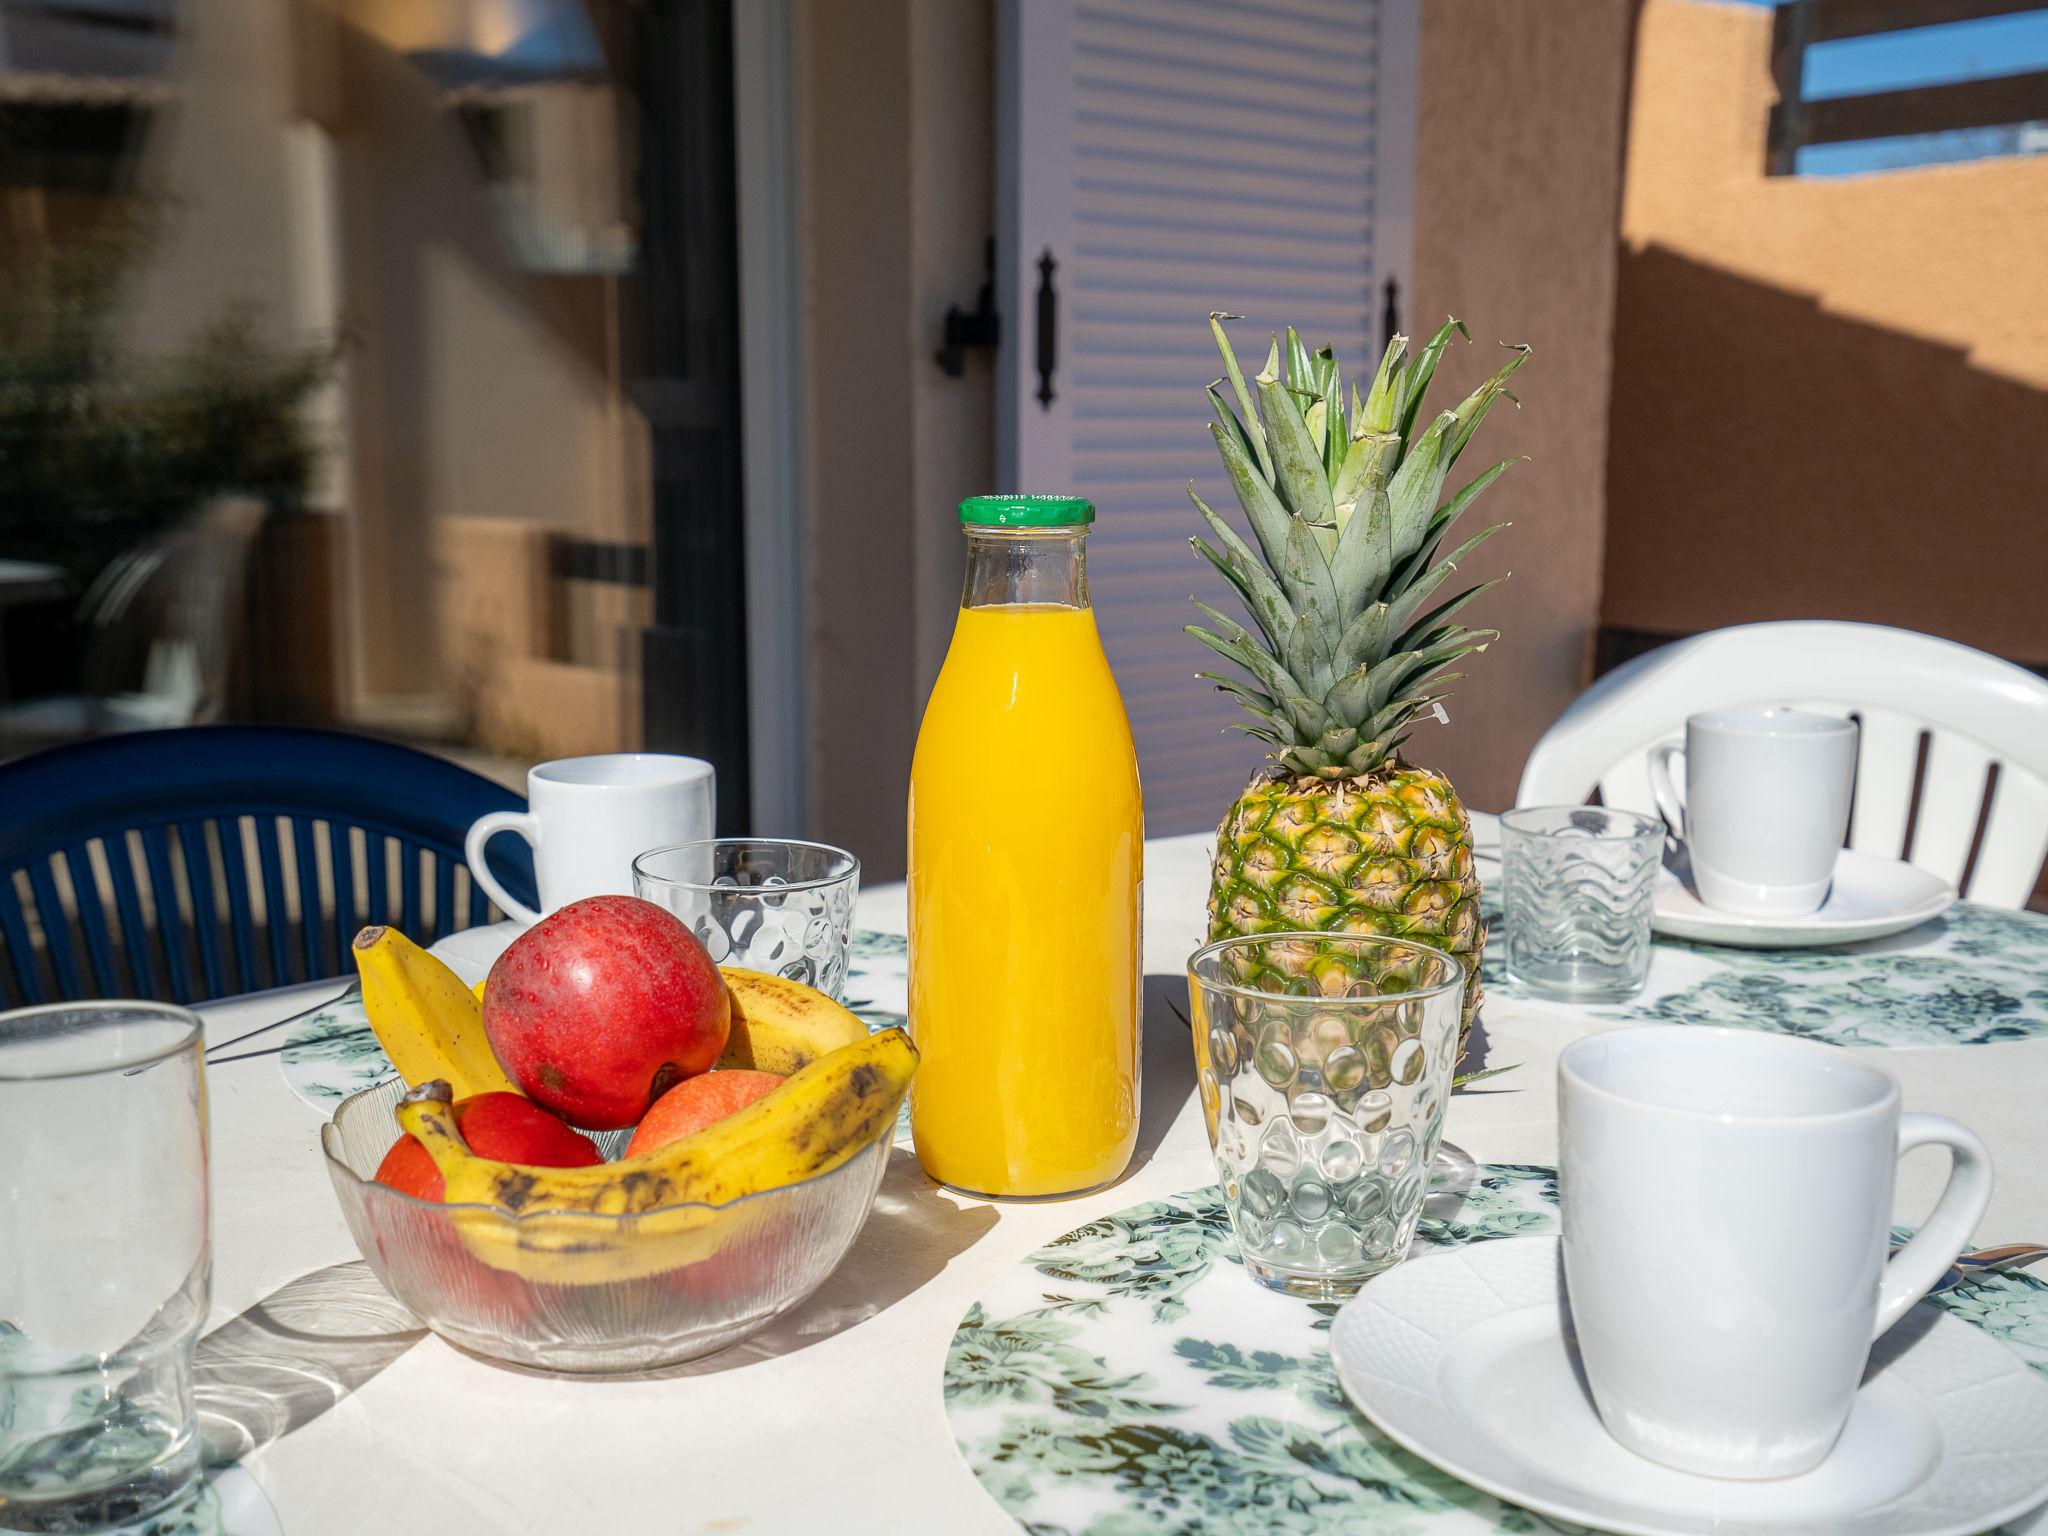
330	1132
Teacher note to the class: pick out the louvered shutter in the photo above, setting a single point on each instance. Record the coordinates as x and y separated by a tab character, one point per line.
1162	158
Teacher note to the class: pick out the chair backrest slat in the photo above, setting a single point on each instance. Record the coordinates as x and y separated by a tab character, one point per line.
310	906
56	932
27	985
241	910
377	863
200	876
2015	834
170	923
1887	755
479	905
411	893
276	914
128	904
233	848
444	896
347	919
1951	801
92	918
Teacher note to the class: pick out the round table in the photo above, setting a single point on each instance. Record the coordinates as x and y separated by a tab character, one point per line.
834	1418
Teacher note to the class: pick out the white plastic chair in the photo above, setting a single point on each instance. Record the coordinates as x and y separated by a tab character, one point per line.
1971	712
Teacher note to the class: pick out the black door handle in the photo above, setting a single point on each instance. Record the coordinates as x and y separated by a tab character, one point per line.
1048	328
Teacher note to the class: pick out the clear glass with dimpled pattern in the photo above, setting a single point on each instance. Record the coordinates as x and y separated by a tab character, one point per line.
1324	1062
767	904
1578	885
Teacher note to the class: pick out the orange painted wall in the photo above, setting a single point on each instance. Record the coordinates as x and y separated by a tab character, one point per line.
1830	395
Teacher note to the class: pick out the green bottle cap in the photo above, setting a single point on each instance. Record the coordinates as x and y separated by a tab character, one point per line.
1026	512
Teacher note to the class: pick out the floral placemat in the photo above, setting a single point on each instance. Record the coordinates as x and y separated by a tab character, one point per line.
1975	976
1129	1379
331	1054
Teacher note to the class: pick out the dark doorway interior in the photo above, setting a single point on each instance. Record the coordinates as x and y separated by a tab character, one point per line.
686	318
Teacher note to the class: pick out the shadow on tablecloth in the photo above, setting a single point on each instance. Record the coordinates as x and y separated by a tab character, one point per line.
295	1354
913	1232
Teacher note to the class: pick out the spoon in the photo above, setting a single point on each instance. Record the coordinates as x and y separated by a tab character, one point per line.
1968	1265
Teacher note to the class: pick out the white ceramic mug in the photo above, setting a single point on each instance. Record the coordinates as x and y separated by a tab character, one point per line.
1727	1203
1765	808
588	818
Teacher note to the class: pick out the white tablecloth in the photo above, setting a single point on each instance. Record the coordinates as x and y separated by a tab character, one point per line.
832	1420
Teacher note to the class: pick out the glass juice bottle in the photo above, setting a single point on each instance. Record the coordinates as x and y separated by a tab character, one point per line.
1026	856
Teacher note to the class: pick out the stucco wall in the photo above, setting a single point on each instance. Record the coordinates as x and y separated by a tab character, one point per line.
1830	394
1518	172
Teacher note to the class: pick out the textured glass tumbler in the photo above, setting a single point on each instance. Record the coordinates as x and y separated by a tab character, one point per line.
764	904
1324	1061
1579	882
103	1261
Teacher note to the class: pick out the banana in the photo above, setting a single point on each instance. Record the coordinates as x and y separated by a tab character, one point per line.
429	1023
477	991
567	1232
779	1025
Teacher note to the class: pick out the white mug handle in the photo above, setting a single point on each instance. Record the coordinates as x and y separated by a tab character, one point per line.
1668	804
481	831
1915	1267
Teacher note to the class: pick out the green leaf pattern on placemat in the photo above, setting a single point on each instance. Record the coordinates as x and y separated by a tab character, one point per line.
1128	1380
1977	976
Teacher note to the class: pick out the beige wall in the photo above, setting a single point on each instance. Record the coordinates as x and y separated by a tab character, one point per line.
1829	393
895	101
1518	172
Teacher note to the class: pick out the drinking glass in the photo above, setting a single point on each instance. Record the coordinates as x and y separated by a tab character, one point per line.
762	903
103	1261
1579	884
1323	1060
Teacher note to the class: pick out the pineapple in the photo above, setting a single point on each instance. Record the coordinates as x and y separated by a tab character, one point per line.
1346	651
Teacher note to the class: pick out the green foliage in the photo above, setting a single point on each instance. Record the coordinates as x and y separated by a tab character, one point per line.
1348	513
100	450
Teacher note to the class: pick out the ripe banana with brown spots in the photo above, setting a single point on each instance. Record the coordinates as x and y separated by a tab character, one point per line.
428	1022
779	1025
569	1230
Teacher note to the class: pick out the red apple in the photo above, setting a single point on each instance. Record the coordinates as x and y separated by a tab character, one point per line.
507	1126
697	1102
596	1010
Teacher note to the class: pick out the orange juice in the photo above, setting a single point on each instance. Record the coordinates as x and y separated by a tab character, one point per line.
1026	850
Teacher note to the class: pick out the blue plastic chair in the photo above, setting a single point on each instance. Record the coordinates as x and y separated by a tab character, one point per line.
129	820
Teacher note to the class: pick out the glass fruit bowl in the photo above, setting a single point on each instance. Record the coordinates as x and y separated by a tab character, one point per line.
740	1266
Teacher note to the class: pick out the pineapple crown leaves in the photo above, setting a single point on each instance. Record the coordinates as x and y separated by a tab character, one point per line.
1344	495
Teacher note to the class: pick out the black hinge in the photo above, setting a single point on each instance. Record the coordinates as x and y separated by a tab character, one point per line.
982	328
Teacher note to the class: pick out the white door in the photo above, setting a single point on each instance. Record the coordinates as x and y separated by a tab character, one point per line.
1160	159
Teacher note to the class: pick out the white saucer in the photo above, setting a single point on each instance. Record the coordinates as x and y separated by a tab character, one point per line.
1463	1358
471	952
1870	898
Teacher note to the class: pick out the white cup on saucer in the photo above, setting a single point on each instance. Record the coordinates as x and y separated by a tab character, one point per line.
1765	808
589	818
1727	1205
